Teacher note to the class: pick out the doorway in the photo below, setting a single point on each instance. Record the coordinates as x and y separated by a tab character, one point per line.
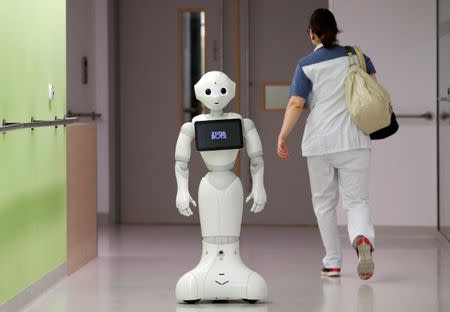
157	45
443	95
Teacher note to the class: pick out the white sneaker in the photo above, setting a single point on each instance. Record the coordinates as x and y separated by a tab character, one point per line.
364	251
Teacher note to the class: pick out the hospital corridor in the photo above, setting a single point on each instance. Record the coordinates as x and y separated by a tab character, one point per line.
225	155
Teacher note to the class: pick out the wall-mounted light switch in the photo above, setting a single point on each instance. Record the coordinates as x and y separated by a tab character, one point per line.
51	92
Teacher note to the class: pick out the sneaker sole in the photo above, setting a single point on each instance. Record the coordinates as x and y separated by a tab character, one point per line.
331	274
366	265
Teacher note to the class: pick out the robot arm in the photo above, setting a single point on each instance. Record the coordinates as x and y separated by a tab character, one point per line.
182	157
255	152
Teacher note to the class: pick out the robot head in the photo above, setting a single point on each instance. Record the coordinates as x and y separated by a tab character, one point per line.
215	90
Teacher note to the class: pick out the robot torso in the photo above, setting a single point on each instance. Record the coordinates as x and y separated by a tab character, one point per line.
221	160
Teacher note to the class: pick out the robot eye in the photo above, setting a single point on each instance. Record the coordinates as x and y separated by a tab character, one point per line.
223	91
208	91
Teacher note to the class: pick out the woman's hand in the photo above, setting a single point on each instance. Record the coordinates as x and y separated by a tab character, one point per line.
282	149
291	115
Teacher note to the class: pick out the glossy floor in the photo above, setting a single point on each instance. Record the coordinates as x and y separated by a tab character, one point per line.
138	268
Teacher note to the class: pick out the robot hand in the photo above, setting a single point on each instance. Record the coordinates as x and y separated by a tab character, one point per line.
259	199
184	200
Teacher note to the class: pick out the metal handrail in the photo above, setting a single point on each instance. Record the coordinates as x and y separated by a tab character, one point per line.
427	116
92	115
35	123
9	126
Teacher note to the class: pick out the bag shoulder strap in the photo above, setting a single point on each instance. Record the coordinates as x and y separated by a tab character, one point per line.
361	59
349	51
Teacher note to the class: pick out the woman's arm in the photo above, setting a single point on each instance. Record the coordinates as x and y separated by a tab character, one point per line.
291	116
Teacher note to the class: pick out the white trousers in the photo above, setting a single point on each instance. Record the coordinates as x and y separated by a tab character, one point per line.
347	174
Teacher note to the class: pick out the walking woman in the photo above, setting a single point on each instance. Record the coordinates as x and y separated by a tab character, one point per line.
337	152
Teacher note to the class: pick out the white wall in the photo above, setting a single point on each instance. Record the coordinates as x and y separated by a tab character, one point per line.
444	37
102	103
400	37
444	125
88	35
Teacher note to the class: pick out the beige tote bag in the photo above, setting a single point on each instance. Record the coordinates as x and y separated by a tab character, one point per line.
368	103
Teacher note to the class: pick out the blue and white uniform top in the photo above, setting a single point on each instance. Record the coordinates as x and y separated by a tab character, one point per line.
320	79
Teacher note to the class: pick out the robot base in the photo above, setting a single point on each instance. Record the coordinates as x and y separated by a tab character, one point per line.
192	301
221	275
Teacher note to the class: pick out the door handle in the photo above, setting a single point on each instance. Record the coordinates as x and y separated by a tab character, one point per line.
427	116
445	116
444	99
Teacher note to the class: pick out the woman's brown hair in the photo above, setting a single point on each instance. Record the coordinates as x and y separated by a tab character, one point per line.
323	24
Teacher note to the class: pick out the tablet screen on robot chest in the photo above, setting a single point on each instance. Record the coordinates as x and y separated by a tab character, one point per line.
214	135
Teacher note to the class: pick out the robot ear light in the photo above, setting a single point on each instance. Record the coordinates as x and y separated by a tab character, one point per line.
231	90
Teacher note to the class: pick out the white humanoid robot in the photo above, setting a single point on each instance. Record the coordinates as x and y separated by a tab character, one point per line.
220	275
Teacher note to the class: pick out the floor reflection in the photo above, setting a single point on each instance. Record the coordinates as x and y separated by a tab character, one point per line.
222	307
139	266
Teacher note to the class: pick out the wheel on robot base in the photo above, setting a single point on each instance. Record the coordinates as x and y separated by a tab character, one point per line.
251	301
220	301
192	301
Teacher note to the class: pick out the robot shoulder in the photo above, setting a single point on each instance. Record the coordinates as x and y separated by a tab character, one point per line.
200	117
247	125
188	129
232	115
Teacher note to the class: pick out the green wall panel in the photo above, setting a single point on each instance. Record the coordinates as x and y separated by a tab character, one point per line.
32	55
32	162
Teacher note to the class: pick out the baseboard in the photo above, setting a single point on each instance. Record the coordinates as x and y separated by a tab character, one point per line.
388	229
103	218
398	230
32	292
445	231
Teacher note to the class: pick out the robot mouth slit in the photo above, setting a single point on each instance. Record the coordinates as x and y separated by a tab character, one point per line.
216	103
221	283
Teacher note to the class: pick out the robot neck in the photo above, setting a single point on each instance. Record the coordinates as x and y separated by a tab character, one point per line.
216	112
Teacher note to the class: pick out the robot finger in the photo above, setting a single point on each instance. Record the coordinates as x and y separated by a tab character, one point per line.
259	208
184	206
182	211
249	197
193	202
254	207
